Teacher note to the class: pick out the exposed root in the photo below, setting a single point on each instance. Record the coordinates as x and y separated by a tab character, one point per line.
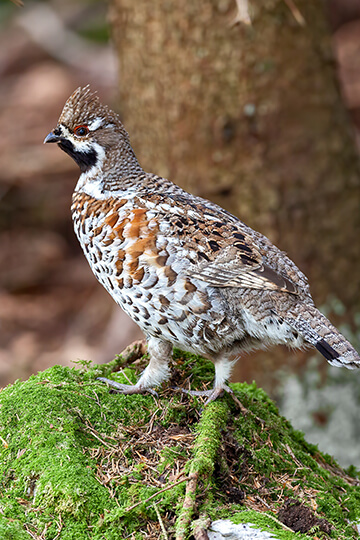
206	447
134	351
129	355
200	527
188	507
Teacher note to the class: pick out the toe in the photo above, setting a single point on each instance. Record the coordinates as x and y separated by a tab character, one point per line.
215	393
201	393
127	388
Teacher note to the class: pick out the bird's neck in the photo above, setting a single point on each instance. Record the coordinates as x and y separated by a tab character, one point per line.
116	169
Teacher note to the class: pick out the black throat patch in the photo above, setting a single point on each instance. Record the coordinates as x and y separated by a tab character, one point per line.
85	160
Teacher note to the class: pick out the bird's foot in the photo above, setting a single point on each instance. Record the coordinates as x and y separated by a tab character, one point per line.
214	393
211	395
127	388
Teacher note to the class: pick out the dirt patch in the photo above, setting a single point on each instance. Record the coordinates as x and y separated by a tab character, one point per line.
300	518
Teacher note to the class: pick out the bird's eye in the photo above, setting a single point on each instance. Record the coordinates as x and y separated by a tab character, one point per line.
81	131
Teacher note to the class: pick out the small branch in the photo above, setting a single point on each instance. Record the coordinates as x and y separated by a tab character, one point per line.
200	527
187	507
5	443
244	411
155	495
94	434
162	526
296	12
271	516
122	372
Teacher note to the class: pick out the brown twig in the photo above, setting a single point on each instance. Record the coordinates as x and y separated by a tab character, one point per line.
155	495
130	354
200	528
188	505
244	410
162	526
94	434
295	12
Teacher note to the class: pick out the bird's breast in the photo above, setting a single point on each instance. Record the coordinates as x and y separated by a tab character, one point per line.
142	269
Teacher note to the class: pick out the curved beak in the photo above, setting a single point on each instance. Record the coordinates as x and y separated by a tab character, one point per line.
51	137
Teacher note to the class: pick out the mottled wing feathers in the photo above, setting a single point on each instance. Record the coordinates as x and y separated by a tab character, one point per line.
226	256
262	277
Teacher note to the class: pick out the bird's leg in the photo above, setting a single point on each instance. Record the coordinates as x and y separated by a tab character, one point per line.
156	372
223	368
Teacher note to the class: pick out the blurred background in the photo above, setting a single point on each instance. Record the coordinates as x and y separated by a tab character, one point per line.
263	119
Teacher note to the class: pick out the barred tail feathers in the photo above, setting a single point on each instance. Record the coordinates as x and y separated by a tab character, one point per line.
318	331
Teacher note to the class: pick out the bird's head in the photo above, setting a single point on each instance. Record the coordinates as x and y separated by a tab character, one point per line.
87	129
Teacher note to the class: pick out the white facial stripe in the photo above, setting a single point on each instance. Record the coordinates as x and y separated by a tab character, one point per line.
100	153
95	124
64	131
81	146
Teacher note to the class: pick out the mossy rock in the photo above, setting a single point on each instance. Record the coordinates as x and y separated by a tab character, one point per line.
79	462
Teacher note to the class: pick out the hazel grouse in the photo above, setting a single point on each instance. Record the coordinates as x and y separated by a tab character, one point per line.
189	273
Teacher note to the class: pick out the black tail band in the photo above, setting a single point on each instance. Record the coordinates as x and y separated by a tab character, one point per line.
326	350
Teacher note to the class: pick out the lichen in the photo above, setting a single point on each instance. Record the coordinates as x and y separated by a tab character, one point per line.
77	461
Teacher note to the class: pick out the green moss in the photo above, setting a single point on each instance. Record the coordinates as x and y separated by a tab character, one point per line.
79	462
211	424
12	530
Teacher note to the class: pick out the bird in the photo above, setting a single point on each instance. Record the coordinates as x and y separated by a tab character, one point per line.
188	272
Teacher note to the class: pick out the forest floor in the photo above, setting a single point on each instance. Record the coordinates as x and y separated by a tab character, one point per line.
78	461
